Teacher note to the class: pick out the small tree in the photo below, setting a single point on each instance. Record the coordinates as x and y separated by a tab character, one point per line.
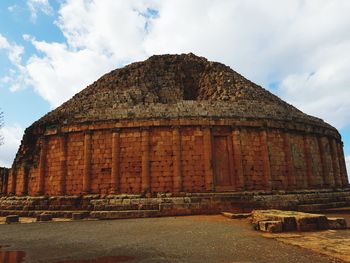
1	125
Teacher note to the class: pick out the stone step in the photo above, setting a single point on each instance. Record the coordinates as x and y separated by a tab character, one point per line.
341	210
124	214
125	207
321	200
36	213
320	207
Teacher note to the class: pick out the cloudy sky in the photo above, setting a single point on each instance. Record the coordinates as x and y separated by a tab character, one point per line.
51	49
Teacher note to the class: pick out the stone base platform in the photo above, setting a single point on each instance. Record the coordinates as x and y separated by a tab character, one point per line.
134	206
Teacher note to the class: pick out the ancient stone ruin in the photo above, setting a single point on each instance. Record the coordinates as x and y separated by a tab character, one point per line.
175	124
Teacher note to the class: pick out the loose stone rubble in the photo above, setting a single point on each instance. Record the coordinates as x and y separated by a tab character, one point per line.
283	221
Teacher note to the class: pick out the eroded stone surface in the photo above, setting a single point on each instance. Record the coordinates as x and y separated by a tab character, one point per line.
270	226
295	221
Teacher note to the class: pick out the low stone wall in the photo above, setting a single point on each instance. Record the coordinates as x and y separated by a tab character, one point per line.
124	206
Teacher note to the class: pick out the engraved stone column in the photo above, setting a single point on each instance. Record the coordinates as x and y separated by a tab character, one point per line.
63	164
335	162
266	160
145	148
87	163
115	174
237	158
309	175
208	163
42	166
177	180
291	180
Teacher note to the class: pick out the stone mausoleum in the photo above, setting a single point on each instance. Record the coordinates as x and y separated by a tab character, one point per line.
175	124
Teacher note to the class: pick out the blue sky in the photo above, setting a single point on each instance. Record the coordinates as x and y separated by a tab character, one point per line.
51	49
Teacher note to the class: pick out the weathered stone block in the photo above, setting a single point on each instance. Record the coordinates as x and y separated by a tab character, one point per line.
12	219
79	216
44	217
337	223
270	226
291	220
236	215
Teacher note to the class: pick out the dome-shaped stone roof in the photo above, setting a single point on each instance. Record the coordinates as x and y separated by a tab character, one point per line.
173	86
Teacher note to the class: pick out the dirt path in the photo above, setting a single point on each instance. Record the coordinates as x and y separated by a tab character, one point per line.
172	239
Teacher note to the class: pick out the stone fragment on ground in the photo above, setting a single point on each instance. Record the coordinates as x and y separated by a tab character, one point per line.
337	223
79	216
270	226
236	215
294	221
12	219
44	217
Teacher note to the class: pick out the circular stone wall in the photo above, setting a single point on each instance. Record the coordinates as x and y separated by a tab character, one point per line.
176	123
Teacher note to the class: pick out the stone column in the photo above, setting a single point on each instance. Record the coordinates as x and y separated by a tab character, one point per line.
208	158
5	182
237	159
335	162
87	163
309	174
342	165
325	170
25	173
2	175
291	180
13	181
2	179
145	148
42	166
63	164
115	174
177	180
268	181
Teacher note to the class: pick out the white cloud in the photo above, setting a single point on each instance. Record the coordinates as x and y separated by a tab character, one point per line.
303	46
36	6
16	77
12	138
100	36
4	44
54	76
12	8
347	161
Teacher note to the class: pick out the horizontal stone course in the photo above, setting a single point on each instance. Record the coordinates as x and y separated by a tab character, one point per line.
191	203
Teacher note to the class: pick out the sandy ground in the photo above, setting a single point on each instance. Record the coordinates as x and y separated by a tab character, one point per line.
167	239
334	243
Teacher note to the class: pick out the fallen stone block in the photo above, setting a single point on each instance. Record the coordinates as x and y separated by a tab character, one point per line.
12	219
311	222
288	220
291	220
337	223
44	217
78	216
236	216
270	226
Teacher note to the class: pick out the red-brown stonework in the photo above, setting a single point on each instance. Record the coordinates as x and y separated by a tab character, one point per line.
172	124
